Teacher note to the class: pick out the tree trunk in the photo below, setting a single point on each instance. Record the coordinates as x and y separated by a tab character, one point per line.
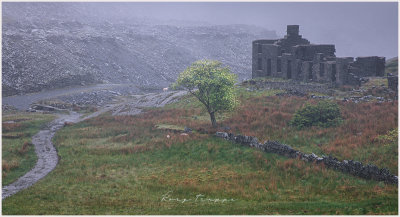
213	121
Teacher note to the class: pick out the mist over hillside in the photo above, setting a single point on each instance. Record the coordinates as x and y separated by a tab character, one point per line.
54	45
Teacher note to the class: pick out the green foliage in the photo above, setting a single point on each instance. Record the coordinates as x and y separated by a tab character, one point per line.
391	136
323	114
170	127
212	84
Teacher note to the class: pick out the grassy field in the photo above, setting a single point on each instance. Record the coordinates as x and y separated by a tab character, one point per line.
128	165
18	152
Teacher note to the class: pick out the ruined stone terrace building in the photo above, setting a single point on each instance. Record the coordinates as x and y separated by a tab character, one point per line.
294	57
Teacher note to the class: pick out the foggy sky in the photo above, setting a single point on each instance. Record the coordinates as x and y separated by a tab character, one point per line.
357	29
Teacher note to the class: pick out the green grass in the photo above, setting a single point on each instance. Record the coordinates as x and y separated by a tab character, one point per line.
89	182
124	165
170	127
18	152
375	81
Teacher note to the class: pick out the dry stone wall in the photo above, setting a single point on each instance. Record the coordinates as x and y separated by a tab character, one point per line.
355	168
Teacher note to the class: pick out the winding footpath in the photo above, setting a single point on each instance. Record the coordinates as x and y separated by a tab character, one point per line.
46	153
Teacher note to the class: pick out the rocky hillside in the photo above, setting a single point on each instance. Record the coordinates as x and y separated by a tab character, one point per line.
53	45
392	66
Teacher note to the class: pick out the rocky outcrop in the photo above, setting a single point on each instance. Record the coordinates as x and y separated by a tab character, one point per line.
47	108
355	168
136	103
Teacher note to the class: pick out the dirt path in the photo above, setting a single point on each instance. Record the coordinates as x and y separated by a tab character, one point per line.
46	152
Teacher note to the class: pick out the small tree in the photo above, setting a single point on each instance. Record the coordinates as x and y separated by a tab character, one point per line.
212	84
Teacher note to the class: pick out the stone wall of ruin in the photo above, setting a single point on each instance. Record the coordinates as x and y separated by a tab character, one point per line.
308	52
370	66
393	82
293	57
